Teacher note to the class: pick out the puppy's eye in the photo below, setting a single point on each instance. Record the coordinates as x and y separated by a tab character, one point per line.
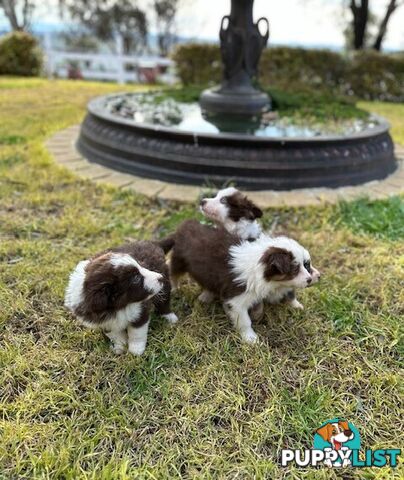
223	200
307	265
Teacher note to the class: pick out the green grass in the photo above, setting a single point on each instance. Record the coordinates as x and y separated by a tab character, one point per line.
383	218
394	114
198	404
313	106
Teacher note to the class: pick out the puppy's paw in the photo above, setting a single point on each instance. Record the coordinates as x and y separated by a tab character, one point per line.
137	348
249	336
118	348
296	304
206	297
171	317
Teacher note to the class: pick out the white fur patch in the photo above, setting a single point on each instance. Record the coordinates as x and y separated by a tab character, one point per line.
245	260
120	320
151	279
74	290
171	317
245	229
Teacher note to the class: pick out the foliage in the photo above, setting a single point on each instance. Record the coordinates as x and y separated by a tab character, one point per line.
198	404
319	106
106	18
367	75
166	12
198	64
20	55
76	40
375	76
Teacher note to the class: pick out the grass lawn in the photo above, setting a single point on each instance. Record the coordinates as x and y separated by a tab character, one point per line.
198	404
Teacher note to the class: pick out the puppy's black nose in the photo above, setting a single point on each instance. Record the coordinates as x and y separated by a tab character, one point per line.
347	433
203	202
309	280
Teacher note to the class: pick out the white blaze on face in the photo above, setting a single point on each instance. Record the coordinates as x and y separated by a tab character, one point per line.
152	280
315	275
214	208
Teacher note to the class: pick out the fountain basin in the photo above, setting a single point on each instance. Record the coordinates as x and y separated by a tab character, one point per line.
252	162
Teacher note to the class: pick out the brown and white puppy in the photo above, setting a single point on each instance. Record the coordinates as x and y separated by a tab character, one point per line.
115	290
235	212
240	273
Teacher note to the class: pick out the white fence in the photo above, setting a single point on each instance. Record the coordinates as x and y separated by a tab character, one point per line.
113	67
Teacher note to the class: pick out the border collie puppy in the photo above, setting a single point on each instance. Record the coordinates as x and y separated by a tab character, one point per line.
115	290
241	273
235	212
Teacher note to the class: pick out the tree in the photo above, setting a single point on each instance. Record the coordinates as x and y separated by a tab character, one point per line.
106	18
361	15
18	13
365	28
166	11
391	8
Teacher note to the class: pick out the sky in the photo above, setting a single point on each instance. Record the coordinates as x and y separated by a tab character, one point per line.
293	22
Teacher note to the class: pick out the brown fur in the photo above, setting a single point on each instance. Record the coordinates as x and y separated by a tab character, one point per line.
203	252
242	207
279	264
108	289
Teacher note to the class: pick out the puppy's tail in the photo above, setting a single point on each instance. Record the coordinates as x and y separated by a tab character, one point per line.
167	244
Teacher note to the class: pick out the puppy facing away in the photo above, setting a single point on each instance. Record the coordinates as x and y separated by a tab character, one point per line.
235	212
115	290
240	273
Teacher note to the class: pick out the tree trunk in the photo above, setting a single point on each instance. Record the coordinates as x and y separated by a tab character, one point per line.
383	25
9	9
10	12
360	20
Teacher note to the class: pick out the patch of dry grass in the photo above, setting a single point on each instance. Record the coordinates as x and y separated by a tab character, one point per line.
198	404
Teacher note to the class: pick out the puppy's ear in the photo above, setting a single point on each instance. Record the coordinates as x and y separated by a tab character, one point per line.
278	264
325	432
257	212
99	299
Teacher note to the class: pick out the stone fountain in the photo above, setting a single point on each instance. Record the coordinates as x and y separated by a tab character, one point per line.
223	139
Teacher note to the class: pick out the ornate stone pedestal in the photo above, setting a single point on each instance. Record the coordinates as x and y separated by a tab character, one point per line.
241	45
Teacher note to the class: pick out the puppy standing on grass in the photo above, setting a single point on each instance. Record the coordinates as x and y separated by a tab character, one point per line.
235	212
115	290
240	273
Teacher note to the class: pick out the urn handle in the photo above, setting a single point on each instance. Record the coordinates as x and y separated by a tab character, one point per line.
264	36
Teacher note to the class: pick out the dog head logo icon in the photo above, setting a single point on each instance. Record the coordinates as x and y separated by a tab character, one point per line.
336	433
